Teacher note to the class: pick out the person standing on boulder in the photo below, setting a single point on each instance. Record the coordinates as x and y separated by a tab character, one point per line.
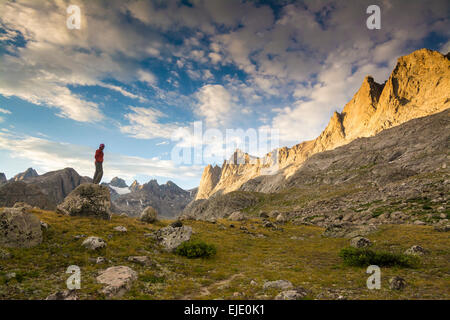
99	164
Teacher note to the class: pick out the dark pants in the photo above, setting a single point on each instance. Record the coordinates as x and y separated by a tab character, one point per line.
98	172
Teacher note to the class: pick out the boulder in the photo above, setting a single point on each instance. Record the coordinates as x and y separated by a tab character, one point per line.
170	238
89	200
19	229
149	215
94	243
360	242
118	280
236	216
278	284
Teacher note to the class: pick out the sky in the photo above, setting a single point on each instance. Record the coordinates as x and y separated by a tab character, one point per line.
141	76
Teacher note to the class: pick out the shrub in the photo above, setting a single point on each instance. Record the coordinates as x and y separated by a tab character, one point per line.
363	257
196	249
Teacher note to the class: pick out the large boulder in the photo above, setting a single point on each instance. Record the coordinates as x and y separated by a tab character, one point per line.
19	229
118	280
89	200
170	238
149	215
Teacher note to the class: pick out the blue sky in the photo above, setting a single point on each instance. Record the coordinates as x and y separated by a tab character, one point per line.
138	74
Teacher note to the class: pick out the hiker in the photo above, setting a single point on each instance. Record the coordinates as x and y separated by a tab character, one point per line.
99	164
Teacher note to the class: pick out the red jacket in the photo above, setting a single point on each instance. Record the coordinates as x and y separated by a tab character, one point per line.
99	156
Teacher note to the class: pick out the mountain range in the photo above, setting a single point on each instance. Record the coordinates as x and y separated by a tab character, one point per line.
418	86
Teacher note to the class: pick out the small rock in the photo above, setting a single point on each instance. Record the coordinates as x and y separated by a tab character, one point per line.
236	216
118	280
263	215
397	283
416	251
253	283
176	224
94	243
295	294
442	228
278	284
282	218
142	260
360	242
268	224
4	255
44	225
79	236
120	229
100	260
419	223
10	275
63	295
24	205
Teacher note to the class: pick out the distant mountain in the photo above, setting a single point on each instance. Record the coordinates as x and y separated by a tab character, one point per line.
118	182
168	199
418	86
29	173
2	178
54	186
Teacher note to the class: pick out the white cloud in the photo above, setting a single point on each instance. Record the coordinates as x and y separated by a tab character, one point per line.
5	111
145	124
214	104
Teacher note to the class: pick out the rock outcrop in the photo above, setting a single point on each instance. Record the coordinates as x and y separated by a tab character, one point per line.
118	182
418	86
19	229
89	200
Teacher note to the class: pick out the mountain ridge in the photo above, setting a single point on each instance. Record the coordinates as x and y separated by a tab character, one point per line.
418	86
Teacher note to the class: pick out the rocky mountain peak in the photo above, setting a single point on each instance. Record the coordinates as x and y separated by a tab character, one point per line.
135	186
29	173
118	182
418	86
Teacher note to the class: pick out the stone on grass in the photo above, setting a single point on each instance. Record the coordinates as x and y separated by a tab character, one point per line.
360	242
118	280
149	215
94	243
142	260
416	251
63	295
278	284
236	216
397	283
294	294
19	229
120	229
170	238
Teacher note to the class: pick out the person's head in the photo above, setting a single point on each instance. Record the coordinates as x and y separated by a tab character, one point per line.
102	146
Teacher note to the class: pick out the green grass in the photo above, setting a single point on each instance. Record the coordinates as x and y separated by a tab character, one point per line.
365	257
313	262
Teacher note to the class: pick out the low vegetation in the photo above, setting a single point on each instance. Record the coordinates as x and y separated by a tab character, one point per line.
196	249
362	257
245	252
